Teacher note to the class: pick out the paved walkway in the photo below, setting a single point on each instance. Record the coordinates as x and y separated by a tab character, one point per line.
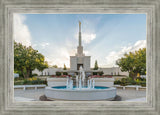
35	94
130	94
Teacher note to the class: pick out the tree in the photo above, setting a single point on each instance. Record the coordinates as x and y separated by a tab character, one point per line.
26	59
64	68
134	62
55	66
58	73
96	65
65	73
140	61
101	73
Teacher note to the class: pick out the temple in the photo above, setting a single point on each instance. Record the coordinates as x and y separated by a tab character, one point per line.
80	59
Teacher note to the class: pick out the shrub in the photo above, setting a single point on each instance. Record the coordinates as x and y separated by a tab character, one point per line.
117	82
18	78
34	78
123	82
58	73
35	82
138	82
73	76
65	73
34	74
133	82
45	82
94	73
143	79
143	84
130	81
30	81
25	81
18	83
101	73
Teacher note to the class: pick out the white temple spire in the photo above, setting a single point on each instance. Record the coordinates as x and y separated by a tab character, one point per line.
79	33
80	47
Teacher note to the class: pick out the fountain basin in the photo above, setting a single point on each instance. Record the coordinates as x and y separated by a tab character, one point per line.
97	93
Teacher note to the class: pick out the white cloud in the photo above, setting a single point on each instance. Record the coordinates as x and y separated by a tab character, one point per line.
59	56
87	37
34	45
86	52
59	61
113	56
88	30
44	45
21	33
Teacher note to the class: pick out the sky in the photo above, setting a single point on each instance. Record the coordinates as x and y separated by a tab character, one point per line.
105	37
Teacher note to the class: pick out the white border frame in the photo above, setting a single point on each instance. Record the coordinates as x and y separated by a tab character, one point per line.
150	8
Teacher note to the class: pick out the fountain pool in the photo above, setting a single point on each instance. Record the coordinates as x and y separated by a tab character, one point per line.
84	88
80	91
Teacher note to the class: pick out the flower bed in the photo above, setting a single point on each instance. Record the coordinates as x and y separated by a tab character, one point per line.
130	81
61	76
30	81
100	76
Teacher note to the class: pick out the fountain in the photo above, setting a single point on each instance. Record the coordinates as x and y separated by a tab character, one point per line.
80	91
80	82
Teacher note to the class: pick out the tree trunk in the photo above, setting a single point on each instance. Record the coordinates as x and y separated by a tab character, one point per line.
132	74
23	73
28	73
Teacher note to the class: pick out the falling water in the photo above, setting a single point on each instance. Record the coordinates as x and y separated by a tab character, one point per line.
69	84
76	80
80	81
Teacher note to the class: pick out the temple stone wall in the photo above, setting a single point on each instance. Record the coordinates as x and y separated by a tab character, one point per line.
107	71
86	63
73	62
80	60
47	71
113	71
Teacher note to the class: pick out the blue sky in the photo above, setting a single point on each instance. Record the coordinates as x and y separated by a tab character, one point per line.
105	37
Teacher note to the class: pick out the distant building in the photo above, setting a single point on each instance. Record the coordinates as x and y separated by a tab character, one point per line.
106	71
16	75
81	60
114	71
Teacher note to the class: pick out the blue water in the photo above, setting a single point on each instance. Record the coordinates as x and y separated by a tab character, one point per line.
64	87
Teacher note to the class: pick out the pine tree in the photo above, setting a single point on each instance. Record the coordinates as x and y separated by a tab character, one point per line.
96	65
65	68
